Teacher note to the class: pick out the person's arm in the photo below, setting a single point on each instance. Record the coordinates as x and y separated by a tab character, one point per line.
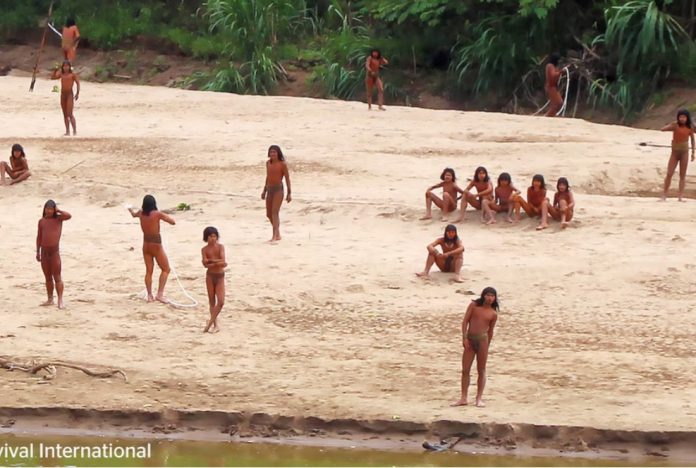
514	190
56	74
265	184
76	37
436	186
222	256
431	247
488	190
204	258
491	327
669	127
286	173
693	145
135	213
385	61
571	205
457	251
38	242
64	215
367	65
166	218
469	186
23	165
465	325
77	81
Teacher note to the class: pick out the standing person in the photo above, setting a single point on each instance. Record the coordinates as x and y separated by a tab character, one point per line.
150	219
553	75
276	169
214	260
682	132
373	64
48	249
67	98
563	203
477	334
18	169
450	260
70	39
450	193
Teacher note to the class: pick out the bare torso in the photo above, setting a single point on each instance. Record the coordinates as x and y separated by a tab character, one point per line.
50	231
214	252
275	172
449	246
150	224
67	81
481	318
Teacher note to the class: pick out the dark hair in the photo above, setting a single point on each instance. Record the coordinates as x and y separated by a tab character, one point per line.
63	64
481	300
563	180
17	147
451	171
50	204
149	204
280	152
208	231
554	59
70	21
379	54
479	169
687	114
540	178
451	227
504	177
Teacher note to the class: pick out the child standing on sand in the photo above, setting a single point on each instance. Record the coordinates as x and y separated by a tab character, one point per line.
276	170
450	192
47	249
682	131
477	334
150	219
67	100
214	260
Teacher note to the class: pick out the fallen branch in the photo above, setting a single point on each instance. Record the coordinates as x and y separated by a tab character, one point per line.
51	368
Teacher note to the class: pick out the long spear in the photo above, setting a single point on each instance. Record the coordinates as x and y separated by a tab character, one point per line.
43	41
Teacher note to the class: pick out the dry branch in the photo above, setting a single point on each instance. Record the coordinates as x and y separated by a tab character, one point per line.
50	368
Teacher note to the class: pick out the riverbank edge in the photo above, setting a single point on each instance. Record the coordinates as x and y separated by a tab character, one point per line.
517	439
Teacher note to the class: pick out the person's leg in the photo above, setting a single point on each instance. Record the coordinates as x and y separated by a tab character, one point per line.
4	169
56	271
481	359
220	302
163	263
275	213
24	175
211	300
149	269
71	115
46	268
467	361
671	166
458	262
64	108
562	213
488	211
683	163
431	198
448	204
269	209
428	265
369	90
555	102
471	199
544	215
380	94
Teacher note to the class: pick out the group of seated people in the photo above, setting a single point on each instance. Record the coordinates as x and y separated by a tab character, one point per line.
504	198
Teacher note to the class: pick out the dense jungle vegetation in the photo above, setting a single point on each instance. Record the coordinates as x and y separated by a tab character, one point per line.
619	52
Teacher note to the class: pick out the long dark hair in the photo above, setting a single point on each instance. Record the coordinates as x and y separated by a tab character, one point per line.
687	114
554	59
70	21
540	178
63	65
479	169
451	227
207	232
50	204
451	171
489	290
17	147
504	177
564	181
149	204
280	152
379	54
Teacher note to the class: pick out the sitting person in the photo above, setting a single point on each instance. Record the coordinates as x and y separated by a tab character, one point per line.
18	169
451	258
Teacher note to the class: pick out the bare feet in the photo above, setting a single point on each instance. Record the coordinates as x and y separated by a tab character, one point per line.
2	182
382	108
480	403
456	279
460	402
150	298
423	275
460	219
564	224
61	304
66	134
663	198
49	302
491	221
541	227
426	217
682	200
509	220
162	299
215	330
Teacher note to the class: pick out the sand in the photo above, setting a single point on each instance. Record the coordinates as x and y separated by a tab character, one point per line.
596	327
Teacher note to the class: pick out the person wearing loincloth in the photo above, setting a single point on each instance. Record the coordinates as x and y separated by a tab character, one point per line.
682	131
68	79
477	334
373	64
214	260
48	249
70	39
276	170
153	251
451	258
553	75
